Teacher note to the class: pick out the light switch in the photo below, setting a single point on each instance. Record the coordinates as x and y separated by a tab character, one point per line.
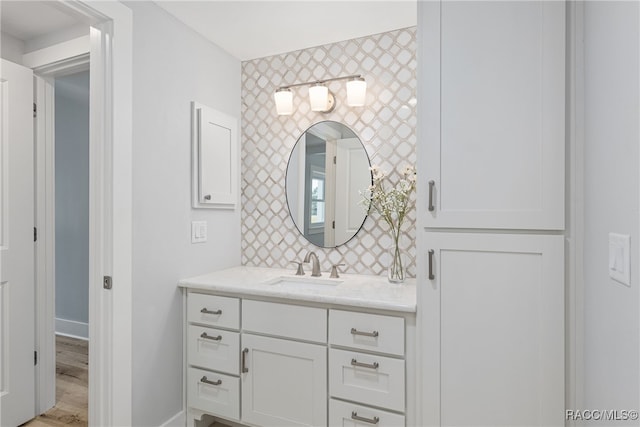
198	231
619	265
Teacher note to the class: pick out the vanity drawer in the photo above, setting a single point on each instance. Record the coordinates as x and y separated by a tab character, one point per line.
212	310
285	320
213	349
368	378
221	398
344	414
384	334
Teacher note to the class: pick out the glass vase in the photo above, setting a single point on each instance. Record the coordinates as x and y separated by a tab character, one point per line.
398	263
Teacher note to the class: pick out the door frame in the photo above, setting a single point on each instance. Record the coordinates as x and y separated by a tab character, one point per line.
110	216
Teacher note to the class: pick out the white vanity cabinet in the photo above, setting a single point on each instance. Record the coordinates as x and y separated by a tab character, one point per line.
264	361
366	368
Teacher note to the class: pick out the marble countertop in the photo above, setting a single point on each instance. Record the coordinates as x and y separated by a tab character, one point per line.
352	290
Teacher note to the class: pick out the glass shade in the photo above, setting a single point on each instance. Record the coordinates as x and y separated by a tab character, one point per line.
284	101
319	97
356	92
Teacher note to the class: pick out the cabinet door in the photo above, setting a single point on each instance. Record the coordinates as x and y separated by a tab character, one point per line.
284	383
492	114
493	330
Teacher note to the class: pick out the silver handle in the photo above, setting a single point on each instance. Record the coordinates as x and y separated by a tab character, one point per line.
207	197
354	416
205	311
432	183
209	337
354	331
244	361
206	381
431	275
373	365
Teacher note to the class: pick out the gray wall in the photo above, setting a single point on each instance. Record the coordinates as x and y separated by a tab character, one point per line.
611	204
72	197
172	66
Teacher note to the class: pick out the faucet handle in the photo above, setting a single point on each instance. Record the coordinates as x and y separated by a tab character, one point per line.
334	270
300	271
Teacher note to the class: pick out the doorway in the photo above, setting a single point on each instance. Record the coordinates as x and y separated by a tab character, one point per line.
109	393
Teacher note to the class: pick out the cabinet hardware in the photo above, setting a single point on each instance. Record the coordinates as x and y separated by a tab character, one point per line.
432	183
207	197
354	416
244	361
206	381
431	275
209	337
373	365
354	331
205	311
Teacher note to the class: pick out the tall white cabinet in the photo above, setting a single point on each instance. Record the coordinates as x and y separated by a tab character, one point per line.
491	212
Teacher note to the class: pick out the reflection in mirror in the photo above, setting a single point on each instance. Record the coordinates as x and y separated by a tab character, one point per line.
327	169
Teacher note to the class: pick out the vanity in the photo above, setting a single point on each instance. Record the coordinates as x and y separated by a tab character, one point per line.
264	347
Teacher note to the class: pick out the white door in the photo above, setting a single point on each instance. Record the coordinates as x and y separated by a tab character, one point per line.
352	176
493	124
493	330
17	298
285	383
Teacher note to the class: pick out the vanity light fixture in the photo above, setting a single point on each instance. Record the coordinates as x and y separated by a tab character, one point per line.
320	97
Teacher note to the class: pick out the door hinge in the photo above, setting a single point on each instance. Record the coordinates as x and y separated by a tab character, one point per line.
35	110
106	282
35	358
35	234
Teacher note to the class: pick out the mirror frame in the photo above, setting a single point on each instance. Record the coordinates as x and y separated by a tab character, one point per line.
286	192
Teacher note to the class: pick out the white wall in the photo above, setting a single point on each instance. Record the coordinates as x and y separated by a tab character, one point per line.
72	202
11	48
611	204
172	66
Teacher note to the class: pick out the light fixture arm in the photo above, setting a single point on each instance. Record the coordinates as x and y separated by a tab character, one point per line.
315	82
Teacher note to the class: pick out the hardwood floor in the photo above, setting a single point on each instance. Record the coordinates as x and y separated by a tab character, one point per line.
71	386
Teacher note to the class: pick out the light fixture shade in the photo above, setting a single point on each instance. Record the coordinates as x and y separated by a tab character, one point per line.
319	97
356	92
284	101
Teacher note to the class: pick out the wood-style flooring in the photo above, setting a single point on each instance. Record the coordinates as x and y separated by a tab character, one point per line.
72	361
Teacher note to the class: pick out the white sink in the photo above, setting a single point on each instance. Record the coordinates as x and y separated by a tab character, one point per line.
301	282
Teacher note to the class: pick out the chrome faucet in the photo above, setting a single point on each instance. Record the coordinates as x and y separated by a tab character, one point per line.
315	269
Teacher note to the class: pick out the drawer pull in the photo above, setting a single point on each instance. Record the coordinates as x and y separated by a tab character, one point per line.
209	337
354	331
205	311
431	185
373	365
431	275
354	416
206	381
244	361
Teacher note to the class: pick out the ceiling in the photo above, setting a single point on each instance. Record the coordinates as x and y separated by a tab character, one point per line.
28	20
250	29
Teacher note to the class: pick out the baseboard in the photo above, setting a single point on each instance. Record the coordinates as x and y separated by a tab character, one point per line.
71	328
178	420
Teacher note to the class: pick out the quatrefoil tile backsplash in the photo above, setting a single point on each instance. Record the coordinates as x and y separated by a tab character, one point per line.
386	126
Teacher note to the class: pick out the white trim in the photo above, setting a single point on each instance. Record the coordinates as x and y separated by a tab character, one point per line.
575	209
45	245
48	55
178	420
71	328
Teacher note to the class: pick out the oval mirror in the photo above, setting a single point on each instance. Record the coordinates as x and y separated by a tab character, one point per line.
327	169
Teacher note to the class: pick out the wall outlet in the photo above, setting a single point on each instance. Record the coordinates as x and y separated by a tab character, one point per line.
198	231
619	265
